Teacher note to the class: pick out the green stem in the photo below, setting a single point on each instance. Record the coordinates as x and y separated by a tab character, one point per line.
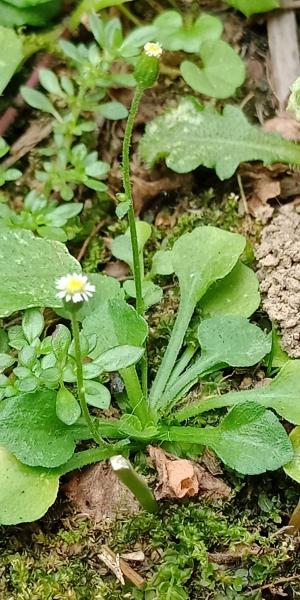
88	457
182	363
80	381
127	13
138	486
186	381
135	394
204	405
128	193
137	270
86	6
184	315
197	435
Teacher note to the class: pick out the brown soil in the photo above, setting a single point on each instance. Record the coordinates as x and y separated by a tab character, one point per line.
278	257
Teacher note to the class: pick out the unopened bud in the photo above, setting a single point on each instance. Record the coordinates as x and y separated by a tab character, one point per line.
147	67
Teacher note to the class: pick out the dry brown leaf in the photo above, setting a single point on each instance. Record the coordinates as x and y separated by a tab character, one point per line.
143	190
182	478
137	556
285	124
97	492
36	132
117	269
165	220
264	189
240	552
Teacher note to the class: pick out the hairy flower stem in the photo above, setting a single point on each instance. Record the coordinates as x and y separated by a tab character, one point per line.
131	219
128	193
80	381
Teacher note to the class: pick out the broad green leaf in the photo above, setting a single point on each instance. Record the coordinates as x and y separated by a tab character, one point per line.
236	294
38	100
130	425
231	339
222	70
67	407
50	82
113	110
152	293
250	7
224	339
293	467
122	209
61	214
199	259
31	430
60	341
97	394
137	38
116	324
119	357
190	136
174	34
32	324
249	439
11	55
107	288
121	245
12	16
29	268
26	493
202	257
25	3
96	169
162	263
3	147
6	360
282	394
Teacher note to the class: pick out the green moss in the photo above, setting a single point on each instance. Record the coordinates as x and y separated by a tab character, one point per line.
39	563
94	255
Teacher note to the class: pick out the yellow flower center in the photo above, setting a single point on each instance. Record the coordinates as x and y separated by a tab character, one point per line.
153	49
75	286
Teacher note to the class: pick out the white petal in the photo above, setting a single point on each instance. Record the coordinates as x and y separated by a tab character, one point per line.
61	294
77	297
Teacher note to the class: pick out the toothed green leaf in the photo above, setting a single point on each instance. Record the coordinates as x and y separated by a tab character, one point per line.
190	136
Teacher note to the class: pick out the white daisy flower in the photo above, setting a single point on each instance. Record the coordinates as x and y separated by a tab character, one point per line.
153	49
74	288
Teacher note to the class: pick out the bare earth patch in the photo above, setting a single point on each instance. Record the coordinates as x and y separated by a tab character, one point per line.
278	257
98	493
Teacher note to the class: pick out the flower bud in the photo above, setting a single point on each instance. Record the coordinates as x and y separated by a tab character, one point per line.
147	67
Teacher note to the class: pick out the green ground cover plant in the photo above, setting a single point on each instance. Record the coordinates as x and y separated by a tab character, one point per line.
48	382
92	368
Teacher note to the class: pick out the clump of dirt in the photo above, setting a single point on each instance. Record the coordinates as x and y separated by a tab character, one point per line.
278	258
97	493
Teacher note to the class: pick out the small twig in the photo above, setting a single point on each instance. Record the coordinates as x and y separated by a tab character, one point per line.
273	584
289	4
115	563
86	242
284	53
242	194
